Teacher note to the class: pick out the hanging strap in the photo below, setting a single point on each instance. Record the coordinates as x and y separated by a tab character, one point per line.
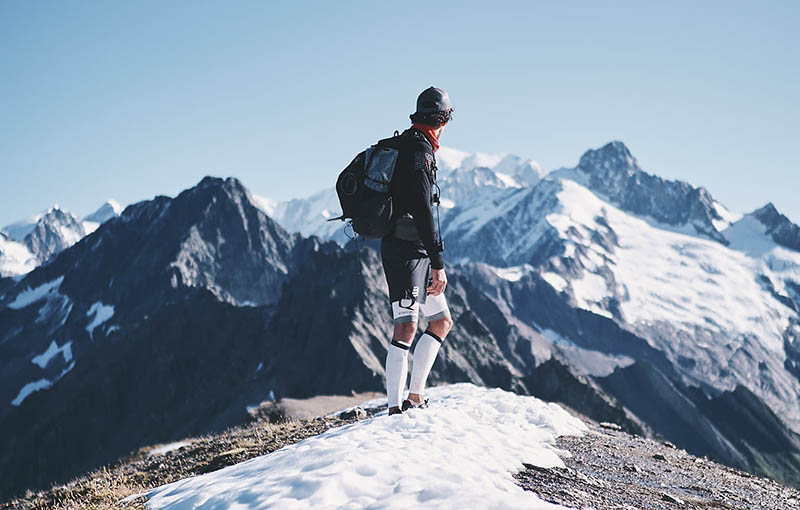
436	202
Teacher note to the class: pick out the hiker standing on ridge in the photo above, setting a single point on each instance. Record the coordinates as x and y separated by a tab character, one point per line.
411	254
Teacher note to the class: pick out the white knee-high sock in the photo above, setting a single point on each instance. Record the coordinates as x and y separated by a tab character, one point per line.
396	372
424	356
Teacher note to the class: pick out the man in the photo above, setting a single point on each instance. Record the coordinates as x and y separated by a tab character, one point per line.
411	253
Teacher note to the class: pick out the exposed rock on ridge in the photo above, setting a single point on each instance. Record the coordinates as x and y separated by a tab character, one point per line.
779	227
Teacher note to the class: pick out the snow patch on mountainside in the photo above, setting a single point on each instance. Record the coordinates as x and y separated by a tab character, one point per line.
459	453
168	448
38	385
512	274
90	226
44	358
728	217
101	314
555	280
29	296
41	384
265	204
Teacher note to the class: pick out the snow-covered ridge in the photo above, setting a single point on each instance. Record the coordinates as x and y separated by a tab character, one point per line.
462	450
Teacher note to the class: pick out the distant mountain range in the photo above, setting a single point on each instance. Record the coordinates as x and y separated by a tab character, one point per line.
27	243
629	297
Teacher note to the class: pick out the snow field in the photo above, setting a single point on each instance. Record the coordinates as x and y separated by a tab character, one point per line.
15	257
669	276
458	454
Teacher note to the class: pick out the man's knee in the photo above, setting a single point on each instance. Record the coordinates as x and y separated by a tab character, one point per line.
441	327
404	332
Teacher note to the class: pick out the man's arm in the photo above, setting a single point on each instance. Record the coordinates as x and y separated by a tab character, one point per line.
422	209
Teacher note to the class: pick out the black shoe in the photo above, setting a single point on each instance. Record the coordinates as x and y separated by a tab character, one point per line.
410	404
396	410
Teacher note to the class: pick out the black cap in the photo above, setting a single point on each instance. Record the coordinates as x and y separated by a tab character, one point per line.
433	100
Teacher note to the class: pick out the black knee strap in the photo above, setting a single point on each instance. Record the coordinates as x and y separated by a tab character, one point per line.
401	345
434	335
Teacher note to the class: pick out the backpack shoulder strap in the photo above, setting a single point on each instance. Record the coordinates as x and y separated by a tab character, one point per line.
397	141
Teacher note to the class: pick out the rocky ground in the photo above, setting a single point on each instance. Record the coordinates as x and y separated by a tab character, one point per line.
610	469
606	469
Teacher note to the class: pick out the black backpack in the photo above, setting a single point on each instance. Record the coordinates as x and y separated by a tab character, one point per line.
363	189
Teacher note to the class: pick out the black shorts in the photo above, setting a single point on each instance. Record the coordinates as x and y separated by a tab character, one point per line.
407	268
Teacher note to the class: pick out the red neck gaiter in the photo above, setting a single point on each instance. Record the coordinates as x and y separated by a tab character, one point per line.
429	134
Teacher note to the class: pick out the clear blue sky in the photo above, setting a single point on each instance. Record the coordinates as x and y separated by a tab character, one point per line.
133	99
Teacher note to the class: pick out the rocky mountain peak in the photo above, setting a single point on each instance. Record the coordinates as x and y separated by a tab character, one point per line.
53	232
781	228
615	174
613	158
210	236
768	215
211	191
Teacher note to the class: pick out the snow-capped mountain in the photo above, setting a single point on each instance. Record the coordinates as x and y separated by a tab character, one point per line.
46	234
460	175
107	308
54	231
614	174
507	165
54	219
714	291
668	315
692	297
308	216
110	209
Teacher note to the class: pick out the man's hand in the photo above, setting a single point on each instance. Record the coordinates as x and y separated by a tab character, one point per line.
438	282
